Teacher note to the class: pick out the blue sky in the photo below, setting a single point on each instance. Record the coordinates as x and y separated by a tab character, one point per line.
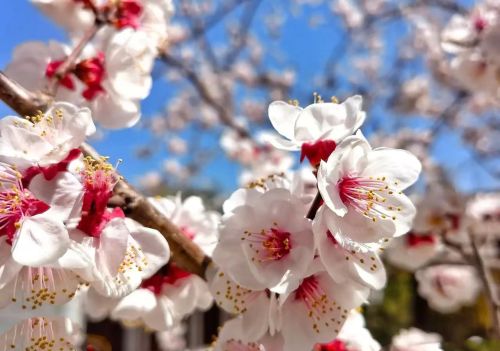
306	50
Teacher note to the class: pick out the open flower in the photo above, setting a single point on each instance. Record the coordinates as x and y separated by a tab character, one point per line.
266	242
121	252
347	260
232	338
33	288
148	16
45	139
257	310
164	299
317	129
191	217
414	250
41	334
448	287
414	339
317	309
33	228
362	189
110	77
352	337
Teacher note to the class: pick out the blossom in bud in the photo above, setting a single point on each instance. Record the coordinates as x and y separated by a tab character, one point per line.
448	287
41	334
362	189
317	129
414	339
266	242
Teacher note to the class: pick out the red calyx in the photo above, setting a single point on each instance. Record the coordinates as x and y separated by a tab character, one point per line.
128	14
91	72
170	275
318	151
50	172
50	72
335	345
414	240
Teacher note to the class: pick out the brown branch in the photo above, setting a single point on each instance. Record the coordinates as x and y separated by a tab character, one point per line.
184	252
314	206
489	286
19	99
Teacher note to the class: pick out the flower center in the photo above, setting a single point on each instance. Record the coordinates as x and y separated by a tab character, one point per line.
315	299
269	245
99	179
90	72
318	151
16	202
366	196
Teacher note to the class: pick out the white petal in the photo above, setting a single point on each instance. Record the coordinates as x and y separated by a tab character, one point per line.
8	267
283	117
347	259
39	333
133	306
397	165
34	288
63	194
40	241
153	245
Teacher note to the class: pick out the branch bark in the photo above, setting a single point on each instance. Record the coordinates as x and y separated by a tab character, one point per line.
185	253
489	286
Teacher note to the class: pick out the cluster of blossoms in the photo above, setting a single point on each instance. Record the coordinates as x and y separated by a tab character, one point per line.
112	74
293	268
473	40
162	300
443	279
57	235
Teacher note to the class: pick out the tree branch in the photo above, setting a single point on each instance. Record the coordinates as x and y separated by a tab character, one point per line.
185	253
489	286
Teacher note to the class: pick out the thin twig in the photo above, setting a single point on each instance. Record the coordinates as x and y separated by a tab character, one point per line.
489	286
314	206
70	61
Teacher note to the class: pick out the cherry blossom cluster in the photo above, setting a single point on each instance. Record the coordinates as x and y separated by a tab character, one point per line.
163	300
292	269
472	39
112	74
57	235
